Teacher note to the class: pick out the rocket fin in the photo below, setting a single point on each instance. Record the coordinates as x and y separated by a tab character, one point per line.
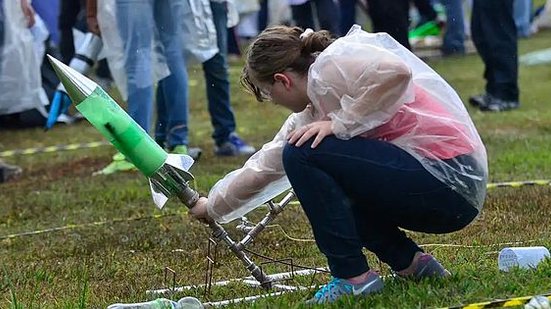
159	198
182	163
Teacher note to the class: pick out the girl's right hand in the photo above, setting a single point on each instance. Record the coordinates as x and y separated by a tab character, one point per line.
319	129
199	210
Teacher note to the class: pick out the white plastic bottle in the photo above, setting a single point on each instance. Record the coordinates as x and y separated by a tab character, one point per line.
162	303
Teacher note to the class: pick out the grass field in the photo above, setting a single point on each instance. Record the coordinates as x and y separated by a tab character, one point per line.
116	259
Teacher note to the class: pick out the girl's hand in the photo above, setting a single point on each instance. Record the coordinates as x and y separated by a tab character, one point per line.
319	128
199	211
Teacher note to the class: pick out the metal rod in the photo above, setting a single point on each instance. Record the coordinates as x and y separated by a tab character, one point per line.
275	278
275	209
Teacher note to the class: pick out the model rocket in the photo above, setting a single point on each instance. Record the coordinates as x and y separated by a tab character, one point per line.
167	173
85	57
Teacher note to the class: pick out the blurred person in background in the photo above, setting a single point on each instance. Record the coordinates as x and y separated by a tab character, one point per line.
392	17
523	14
327	14
23	99
495	36
454	35
217	84
7	171
145	28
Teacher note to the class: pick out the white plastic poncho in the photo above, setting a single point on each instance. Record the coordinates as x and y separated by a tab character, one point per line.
116	54
543	20
198	30
371	86
20	79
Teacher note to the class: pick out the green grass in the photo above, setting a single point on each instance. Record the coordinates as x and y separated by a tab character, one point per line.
95	265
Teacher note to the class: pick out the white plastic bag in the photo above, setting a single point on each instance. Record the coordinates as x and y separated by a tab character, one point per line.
279	12
198	30
247	6
543	20
20	79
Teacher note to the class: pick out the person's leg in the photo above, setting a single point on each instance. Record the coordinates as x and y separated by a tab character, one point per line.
328	15
344	186
392	17
233	45
263	16
522	11
68	14
348	15
495	37
175	87
2	20
162	116
217	80
302	15
218	92
454	38
135	23
426	10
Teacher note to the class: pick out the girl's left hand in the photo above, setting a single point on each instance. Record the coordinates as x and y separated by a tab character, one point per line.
319	128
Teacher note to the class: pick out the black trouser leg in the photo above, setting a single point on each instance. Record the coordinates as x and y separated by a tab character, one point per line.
392	17
495	37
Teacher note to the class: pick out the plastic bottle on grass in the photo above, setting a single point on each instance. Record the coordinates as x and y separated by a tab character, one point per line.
162	303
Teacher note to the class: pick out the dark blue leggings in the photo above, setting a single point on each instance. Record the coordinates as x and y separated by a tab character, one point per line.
357	193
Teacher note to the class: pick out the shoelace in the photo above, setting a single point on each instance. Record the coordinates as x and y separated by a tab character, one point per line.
234	139
326	289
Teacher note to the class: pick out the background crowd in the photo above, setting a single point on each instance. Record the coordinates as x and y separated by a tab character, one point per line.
147	45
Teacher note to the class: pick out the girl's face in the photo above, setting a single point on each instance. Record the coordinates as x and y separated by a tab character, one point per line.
288	90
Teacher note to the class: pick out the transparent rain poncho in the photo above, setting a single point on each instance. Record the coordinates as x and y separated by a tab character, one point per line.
369	85
20	80
116	54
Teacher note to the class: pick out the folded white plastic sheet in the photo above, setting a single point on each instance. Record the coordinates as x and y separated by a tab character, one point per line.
198	30
543	20
20	79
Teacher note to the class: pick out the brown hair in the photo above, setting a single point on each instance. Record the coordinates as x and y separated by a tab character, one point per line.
279	48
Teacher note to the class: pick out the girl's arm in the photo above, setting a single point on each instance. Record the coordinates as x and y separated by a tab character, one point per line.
368	83
248	187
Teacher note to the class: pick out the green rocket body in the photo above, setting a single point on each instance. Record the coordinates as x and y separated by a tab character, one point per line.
168	174
122	131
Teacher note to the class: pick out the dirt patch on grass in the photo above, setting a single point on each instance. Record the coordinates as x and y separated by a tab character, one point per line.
77	168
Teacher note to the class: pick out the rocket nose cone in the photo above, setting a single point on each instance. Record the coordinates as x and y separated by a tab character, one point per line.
78	86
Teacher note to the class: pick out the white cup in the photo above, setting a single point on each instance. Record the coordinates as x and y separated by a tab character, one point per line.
523	257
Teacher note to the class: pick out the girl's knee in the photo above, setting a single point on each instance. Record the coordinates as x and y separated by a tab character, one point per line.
290	153
293	156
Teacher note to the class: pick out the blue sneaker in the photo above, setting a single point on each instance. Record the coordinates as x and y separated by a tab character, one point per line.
426	266
234	146
337	288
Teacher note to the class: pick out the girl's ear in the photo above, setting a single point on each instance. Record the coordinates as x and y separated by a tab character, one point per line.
284	79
